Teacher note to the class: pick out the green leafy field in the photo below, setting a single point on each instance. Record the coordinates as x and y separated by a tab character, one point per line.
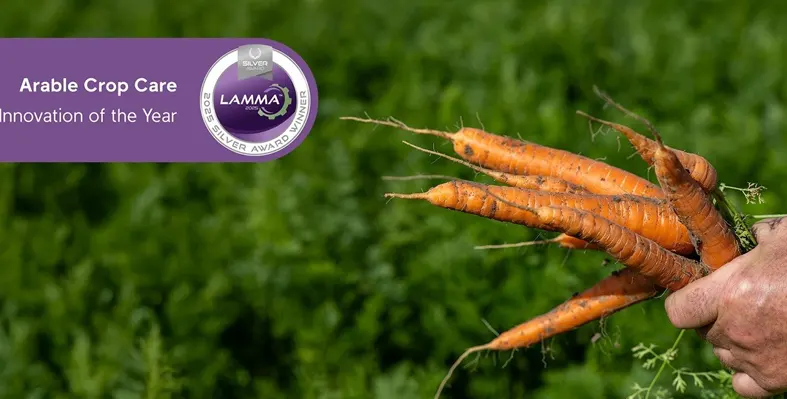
296	278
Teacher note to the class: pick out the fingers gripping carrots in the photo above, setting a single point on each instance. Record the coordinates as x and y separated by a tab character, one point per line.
505	154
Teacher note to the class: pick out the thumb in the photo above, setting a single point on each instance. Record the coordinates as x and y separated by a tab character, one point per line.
696	304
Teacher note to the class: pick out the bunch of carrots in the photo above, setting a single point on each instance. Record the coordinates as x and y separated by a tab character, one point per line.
665	235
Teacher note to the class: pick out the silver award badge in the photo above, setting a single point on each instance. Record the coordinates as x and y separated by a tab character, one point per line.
255	60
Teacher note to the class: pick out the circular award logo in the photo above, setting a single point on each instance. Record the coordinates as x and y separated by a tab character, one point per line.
259	100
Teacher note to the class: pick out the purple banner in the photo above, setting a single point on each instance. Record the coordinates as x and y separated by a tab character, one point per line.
152	100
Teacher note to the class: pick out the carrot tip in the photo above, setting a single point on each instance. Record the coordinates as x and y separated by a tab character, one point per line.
417	177
516	244
393	122
583	113
406	196
613	125
591	117
607	99
456	364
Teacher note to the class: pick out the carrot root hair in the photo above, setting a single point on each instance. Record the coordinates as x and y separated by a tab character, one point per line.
393	122
612	125
456	364
418	177
446	156
562	240
607	99
517	244
407	196
699	168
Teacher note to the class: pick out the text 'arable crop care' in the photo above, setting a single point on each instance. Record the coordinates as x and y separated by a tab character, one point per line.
93	85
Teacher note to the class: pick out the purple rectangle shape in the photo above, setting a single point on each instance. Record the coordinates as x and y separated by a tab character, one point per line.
183	61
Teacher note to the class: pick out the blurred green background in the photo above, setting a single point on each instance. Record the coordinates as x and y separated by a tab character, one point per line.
296	278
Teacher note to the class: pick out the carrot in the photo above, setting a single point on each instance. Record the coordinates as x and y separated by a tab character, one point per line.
649	217
543	183
563	240
715	241
566	241
699	168
505	154
665	268
649	266
620	290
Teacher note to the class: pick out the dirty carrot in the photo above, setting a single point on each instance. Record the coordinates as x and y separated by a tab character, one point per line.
665	268
505	154
699	168
543	183
540	183
648	217
715	241
563	240
620	290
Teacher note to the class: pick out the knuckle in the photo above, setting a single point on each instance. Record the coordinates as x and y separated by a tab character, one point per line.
722	355
770	228
770	384
768	372
717	335
740	333
740	292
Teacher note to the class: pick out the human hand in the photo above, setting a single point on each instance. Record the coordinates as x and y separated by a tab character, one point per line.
741	309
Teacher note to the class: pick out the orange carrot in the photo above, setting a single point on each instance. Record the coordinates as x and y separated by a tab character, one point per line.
508	155
665	268
714	239
538	183
542	183
648	217
614	293
699	168
566	241
563	240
